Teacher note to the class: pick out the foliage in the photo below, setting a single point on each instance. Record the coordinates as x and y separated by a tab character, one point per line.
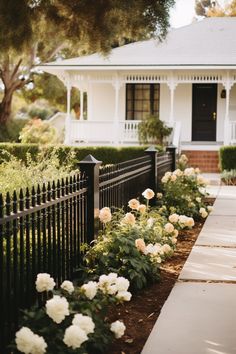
85	313
38	131
229	177
108	155
117	247
11	131
227	155
16	174
152	130
209	8
45	30
184	192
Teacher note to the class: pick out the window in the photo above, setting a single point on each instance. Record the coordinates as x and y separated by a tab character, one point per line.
142	100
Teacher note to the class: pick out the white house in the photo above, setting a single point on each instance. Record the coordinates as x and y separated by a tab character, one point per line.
189	79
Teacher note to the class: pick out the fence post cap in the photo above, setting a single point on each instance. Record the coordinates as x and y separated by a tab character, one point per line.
89	159
151	149
171	146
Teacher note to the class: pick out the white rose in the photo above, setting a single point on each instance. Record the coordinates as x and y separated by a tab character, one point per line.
166	248
118	328
173	218
134	204
159	195
183	219
122	284
68	286
165	179
112	277
173	178
57	308
178	173
142	208
210	208
203	212
169	228
198	199
44	282
129	219
105	215
74	337
176	233
29	343
84	322
90	289
148	194
107	283
150	222
174	240
148	248
189	171
189	222
124	295
111	289
183	158
197	170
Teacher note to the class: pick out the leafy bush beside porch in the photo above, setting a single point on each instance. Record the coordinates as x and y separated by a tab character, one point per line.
227	156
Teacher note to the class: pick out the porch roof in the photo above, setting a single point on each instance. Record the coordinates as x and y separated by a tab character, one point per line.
209	43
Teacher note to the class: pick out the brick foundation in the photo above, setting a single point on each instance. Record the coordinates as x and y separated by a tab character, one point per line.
207	161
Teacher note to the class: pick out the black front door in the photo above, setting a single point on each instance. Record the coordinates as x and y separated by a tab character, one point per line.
204	112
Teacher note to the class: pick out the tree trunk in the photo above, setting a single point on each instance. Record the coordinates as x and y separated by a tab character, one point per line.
5	106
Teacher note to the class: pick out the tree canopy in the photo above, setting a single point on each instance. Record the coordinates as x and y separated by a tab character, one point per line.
34	31
209	8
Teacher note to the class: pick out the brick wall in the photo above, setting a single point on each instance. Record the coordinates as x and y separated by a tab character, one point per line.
207	161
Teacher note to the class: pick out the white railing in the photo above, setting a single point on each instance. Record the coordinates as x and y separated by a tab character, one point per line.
103	131
232	132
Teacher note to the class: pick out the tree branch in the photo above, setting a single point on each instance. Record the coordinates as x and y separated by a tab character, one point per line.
15	71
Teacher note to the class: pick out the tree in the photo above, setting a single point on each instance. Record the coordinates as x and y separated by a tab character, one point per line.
34	31
209	8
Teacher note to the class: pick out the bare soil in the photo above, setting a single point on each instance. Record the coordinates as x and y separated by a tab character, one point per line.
141	313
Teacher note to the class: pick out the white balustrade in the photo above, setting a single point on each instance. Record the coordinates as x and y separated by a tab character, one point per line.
232	132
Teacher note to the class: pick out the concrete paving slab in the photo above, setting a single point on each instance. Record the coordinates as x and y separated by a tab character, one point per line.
227	192
210	263
224	207
197	318
213	191
218	231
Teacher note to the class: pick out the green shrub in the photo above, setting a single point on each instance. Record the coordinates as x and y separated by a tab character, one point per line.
11	131
153	130
108	155
38	131
227	155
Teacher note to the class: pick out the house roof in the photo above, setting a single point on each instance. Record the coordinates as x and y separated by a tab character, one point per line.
207	43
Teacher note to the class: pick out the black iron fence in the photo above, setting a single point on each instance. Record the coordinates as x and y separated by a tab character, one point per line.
41	230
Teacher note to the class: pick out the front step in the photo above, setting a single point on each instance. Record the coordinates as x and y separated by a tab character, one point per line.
207	161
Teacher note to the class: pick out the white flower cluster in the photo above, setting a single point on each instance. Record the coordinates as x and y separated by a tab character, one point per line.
44	282
30	343
105	215
78	332
183	159
181	220
109	284
57	308
118	328
188	172
128	219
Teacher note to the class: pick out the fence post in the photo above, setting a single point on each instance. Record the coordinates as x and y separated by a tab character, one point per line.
90	166
152	152
172	150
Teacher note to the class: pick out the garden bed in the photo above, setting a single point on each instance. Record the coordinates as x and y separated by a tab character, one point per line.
141	313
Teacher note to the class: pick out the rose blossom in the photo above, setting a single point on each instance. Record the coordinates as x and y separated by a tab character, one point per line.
189	222
84	322
173	218
90	289
74	337
178	172
169	228
122	284
166	248
44	282
28	342
210	208
159	195
203	212
129	219
176	233
57	308
105	215
140	244
148	194
68	286
173	178
142	208
124	295
134	204
189	171
118	328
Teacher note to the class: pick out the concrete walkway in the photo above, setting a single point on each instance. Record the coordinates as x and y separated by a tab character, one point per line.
199	316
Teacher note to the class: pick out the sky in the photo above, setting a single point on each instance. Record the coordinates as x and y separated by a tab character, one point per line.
183	12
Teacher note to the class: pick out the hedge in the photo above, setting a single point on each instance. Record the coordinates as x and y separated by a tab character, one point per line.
227	155
108	155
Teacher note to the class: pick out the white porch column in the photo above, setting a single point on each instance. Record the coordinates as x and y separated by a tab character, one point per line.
172	86
68	118
81	105
117	85
227	132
